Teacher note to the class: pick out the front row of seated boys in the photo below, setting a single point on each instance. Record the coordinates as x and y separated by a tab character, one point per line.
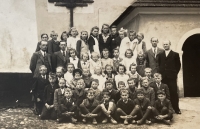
128	105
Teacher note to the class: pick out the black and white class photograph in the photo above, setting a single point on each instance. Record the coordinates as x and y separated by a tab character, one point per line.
99	64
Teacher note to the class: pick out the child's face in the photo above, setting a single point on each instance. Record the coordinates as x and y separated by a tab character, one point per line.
121	69
145	83
147	73
105	54
77	75
95	58
94	85
85	57
98	71
121	35
124	96
90	96
108	69
105	29
70	68
109	86
133	69
113	31
140	57
72	54
79	85
74	32
95	32
59	73
128	54
158	79
61	83
121	86
84	35
64	36
106	98
140	96
131	84
68	94
43	71
116	53
161	97
63	46
52	80
86	73
131	36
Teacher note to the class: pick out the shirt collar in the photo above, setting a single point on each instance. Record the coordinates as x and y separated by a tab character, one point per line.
42	52
115	58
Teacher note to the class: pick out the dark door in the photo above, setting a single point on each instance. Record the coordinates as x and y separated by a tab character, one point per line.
191	66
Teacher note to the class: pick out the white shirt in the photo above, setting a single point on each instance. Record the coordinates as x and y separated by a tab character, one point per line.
128	61
96	46
167	52
85	65
123	78
71	42
62	91
125	44
68	77
154	50
93	64
74	61
43	52
101	81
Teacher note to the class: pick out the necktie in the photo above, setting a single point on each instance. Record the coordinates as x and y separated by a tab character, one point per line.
158	86
43	77
154	52
44	54
64	54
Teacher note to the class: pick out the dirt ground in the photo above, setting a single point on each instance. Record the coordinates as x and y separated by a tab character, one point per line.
23	118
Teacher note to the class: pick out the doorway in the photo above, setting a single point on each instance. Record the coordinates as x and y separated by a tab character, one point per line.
191	66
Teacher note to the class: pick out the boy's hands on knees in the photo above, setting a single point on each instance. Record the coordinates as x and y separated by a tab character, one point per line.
149	107
38	100
51	106
31	91
137	106
47	106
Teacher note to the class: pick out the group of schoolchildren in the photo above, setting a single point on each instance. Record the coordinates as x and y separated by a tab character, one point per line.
101	88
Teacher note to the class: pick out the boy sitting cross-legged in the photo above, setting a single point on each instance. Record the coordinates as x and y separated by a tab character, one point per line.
88	108
162	109
125	107
67	109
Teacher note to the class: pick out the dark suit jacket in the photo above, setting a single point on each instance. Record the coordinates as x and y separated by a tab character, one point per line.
39	86
37	60
57	98
78	96
126	107
53	46
169	66
49	93
103	44
59	60
163	87
150	94
152	61
78	48
66	105
115	41
143	104
166	103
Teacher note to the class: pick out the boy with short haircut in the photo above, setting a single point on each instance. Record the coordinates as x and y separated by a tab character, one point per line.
69	74
94	87
158	85
162	109
148	74
67	109
59	93
116	59
132	88
88	108
142	109
148	91
77	75
59	73
133	74
37	89
107	109
48	111
79	92
125	107
109	88
121	86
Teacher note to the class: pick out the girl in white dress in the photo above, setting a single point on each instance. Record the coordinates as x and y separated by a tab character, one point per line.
125	42
72	40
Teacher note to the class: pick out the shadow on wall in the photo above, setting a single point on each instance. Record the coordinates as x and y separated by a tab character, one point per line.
15	89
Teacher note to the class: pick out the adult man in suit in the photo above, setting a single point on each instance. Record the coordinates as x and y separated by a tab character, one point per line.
53	44
40	58
151	55
60	58
169	66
